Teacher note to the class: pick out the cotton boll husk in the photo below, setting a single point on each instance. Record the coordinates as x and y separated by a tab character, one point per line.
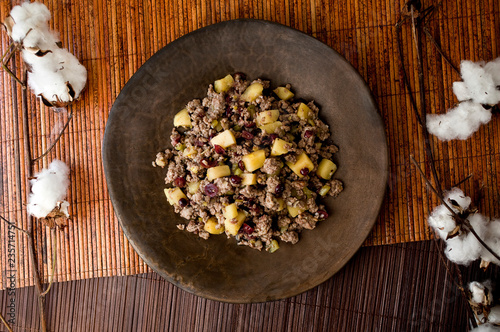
486	328
492	239
465	248
459	122
28	16
49	187
479	82
49	74
478	291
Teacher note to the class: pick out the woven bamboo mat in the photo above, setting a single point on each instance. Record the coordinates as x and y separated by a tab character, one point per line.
113	38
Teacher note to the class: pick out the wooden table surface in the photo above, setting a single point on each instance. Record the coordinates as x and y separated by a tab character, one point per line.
393	283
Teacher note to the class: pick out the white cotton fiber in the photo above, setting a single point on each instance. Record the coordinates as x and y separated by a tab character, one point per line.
494	315
48	188
492	239
463	249
480	82
459	122
441	218
481	293
486	328
28	16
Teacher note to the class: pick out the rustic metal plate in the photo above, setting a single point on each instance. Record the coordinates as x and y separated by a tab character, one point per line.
139	126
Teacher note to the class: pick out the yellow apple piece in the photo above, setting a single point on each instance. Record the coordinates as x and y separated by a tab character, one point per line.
190	152
224	139
231	211
174	195
280	147
211	226
224	84
266	117
294	211
281	203
273	246
302	162
254	160
248	179
182	119
326	168
233	225
270	128
218	172
252	92
283	93
304	112
193	187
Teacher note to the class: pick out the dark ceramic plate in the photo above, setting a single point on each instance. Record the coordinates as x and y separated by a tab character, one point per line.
139	126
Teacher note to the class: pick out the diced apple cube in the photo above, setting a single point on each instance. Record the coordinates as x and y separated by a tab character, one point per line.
233	225
283	93
174	195
266	117
224	139
254	160
281	203
294	211
231	211
248	179
213	227
326	168
302	162
190	152
304	112
252	92
280	147
218	172
182	119
270	128
224	84
193	187
273	246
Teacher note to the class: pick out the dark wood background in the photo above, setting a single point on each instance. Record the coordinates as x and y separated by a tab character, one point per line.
395	286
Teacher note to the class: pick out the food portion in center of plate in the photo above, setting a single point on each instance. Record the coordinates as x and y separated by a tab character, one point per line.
250	162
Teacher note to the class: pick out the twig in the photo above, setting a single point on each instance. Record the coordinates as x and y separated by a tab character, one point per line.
15	226
70	116
13	47
5	323
52	273
462	181
438	48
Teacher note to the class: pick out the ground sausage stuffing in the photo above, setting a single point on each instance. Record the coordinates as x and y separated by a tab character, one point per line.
249	162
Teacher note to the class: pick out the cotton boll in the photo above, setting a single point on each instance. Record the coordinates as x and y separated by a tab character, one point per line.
459	122
486	328
42	39
460	90
493	68
28	16
442	221
480	83
492	239
494	315
463	249
48	188
481	293
459	197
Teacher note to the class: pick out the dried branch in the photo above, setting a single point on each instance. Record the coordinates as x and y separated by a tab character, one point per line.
52	272
15	226
5	323
70	116
438	48
13	47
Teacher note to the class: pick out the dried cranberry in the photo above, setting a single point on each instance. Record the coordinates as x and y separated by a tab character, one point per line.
175	139
255	209
241	165
228	98
199	143
235	179
246	135
266	140
182	202
308	133
273	137
322	214
207	163
250	124
219	149
247	229
180	182
280	188
304	171
212	135
211	190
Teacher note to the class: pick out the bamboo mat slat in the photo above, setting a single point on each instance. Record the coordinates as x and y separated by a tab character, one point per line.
114	38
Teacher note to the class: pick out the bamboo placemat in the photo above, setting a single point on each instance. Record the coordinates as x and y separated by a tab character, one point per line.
114	38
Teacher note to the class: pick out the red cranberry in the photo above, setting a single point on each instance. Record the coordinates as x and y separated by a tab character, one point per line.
207	163
255	209
212	135
280	188
246	135
241	165
175	139
304	171
308	133
273	137
219	149
247	229
322	214
198	143
211	190
250	124
183	202
266	140
180	182
235	179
